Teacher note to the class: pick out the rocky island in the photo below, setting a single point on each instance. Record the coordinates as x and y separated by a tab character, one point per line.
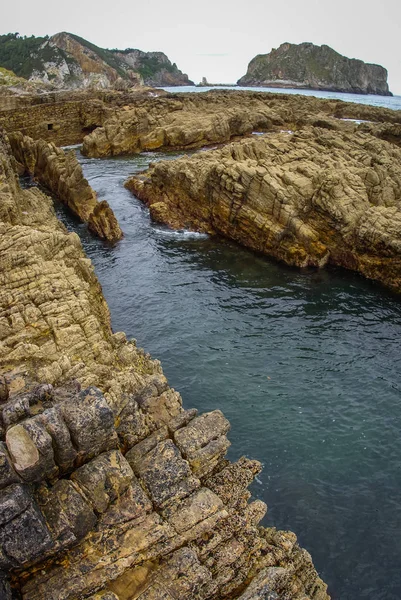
316	68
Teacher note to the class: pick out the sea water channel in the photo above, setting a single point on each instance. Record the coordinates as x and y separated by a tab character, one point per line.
305	364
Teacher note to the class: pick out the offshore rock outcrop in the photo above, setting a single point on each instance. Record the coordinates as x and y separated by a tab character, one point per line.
317	68
61	173
109	488
307	198
188	121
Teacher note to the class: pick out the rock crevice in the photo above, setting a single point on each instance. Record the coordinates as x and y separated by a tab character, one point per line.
109	488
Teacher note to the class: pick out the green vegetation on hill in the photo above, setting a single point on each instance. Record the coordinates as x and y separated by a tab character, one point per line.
23	55
150	66
315	67
26	56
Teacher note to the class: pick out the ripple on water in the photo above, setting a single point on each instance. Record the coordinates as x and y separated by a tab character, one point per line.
305	364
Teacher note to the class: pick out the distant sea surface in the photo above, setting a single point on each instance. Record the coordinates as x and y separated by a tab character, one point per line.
393	102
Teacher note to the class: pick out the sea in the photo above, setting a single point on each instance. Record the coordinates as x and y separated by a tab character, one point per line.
305	363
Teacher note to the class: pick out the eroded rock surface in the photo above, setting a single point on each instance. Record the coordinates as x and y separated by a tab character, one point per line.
61	173
109	489
307	198
188	121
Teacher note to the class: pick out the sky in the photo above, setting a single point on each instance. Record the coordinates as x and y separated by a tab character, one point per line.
216	39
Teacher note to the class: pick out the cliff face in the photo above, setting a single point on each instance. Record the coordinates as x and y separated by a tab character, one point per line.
109	488
68	61
315	67
155	68
307	198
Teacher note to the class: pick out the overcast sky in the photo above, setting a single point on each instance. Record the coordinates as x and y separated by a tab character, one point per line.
217	38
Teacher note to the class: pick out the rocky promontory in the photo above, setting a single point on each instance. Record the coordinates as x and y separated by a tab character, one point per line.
61	173
67	61
109	488
317	68
309	198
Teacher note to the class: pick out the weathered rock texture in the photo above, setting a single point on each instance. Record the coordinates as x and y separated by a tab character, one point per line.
145	118
317	68
307	198
188	121
109	489
67	61
61	173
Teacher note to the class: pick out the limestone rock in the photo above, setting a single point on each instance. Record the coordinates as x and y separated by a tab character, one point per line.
67	61
188	121
23	532
308	198
61	173
3	390
104	479
78	519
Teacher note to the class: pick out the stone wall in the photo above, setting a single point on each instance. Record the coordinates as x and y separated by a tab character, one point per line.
63	123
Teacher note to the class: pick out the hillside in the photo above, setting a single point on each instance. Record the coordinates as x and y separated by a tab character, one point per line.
68	61
317	68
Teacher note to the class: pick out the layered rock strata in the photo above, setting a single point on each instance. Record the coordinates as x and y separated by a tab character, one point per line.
109	488
307	198
123	122
61	173
194	120
315	67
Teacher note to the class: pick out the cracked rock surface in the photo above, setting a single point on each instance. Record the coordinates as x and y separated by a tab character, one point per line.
61	173
187	121
109	488
308	198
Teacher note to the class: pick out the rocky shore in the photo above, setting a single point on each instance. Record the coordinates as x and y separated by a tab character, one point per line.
309	198
109	488
189	121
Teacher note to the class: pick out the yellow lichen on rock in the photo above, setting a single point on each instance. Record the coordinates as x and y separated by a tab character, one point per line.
109	489
308	198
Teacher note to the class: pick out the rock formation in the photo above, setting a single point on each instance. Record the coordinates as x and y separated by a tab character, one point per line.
186	121
68	61
308	198
317	68
61	173
109	488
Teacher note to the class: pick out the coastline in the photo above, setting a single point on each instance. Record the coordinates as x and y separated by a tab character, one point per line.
89	424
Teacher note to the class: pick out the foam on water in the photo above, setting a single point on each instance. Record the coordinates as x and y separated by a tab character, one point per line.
184	234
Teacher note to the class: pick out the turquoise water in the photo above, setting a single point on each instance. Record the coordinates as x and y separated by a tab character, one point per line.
393	102
304	363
